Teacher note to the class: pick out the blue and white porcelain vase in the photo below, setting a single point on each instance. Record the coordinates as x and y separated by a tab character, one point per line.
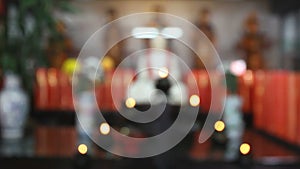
13	108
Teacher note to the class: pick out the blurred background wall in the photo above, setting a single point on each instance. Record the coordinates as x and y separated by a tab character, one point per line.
228	19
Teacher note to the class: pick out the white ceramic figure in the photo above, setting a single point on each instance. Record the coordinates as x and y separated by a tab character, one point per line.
87	109
13	108
234	126
86	114
156	63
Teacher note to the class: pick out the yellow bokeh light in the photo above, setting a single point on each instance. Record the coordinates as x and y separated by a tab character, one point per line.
82	149
70	66
219	126
130	102
194	100
104	128
107	63
163	72
245	148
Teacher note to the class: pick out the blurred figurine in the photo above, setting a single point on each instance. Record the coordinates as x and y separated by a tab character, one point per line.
253	43
112	35
157	21
13	108
60	47
205	25
159	80
159	68
85	103
233	119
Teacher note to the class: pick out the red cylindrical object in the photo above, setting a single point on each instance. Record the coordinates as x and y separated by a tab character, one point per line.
298	108
259	88
41	89
216	85
291	120
106	96
54	91
100	95
65	87
281	108
204	88
191	83
117	89
245	90
268	101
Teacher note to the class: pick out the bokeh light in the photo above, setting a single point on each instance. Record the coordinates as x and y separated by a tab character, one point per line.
107	63
104	128
245	148
194	100
82	149
238	67
69	66
219	126
130	102
163	72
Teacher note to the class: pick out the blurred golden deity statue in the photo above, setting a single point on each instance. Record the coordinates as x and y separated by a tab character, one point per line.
203	47
253	43
114	54
60	47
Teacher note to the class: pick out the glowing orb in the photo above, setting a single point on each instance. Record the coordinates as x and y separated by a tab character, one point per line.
238	67
194	100
104	128
107	63
82	149
69	66
130	102
163	72
219	126
245	148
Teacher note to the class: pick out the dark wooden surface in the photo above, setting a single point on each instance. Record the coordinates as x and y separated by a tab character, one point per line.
60	163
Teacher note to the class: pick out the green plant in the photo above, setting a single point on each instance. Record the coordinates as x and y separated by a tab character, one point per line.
27	27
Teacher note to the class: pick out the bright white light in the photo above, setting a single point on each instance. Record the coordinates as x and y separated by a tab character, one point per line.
145	32
245	148
172	32
238	67
163	72
104	128
194	100
130	102
219	126
152	32
82	149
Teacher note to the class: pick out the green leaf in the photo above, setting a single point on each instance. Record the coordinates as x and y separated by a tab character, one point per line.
8	63
26	4
66	7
